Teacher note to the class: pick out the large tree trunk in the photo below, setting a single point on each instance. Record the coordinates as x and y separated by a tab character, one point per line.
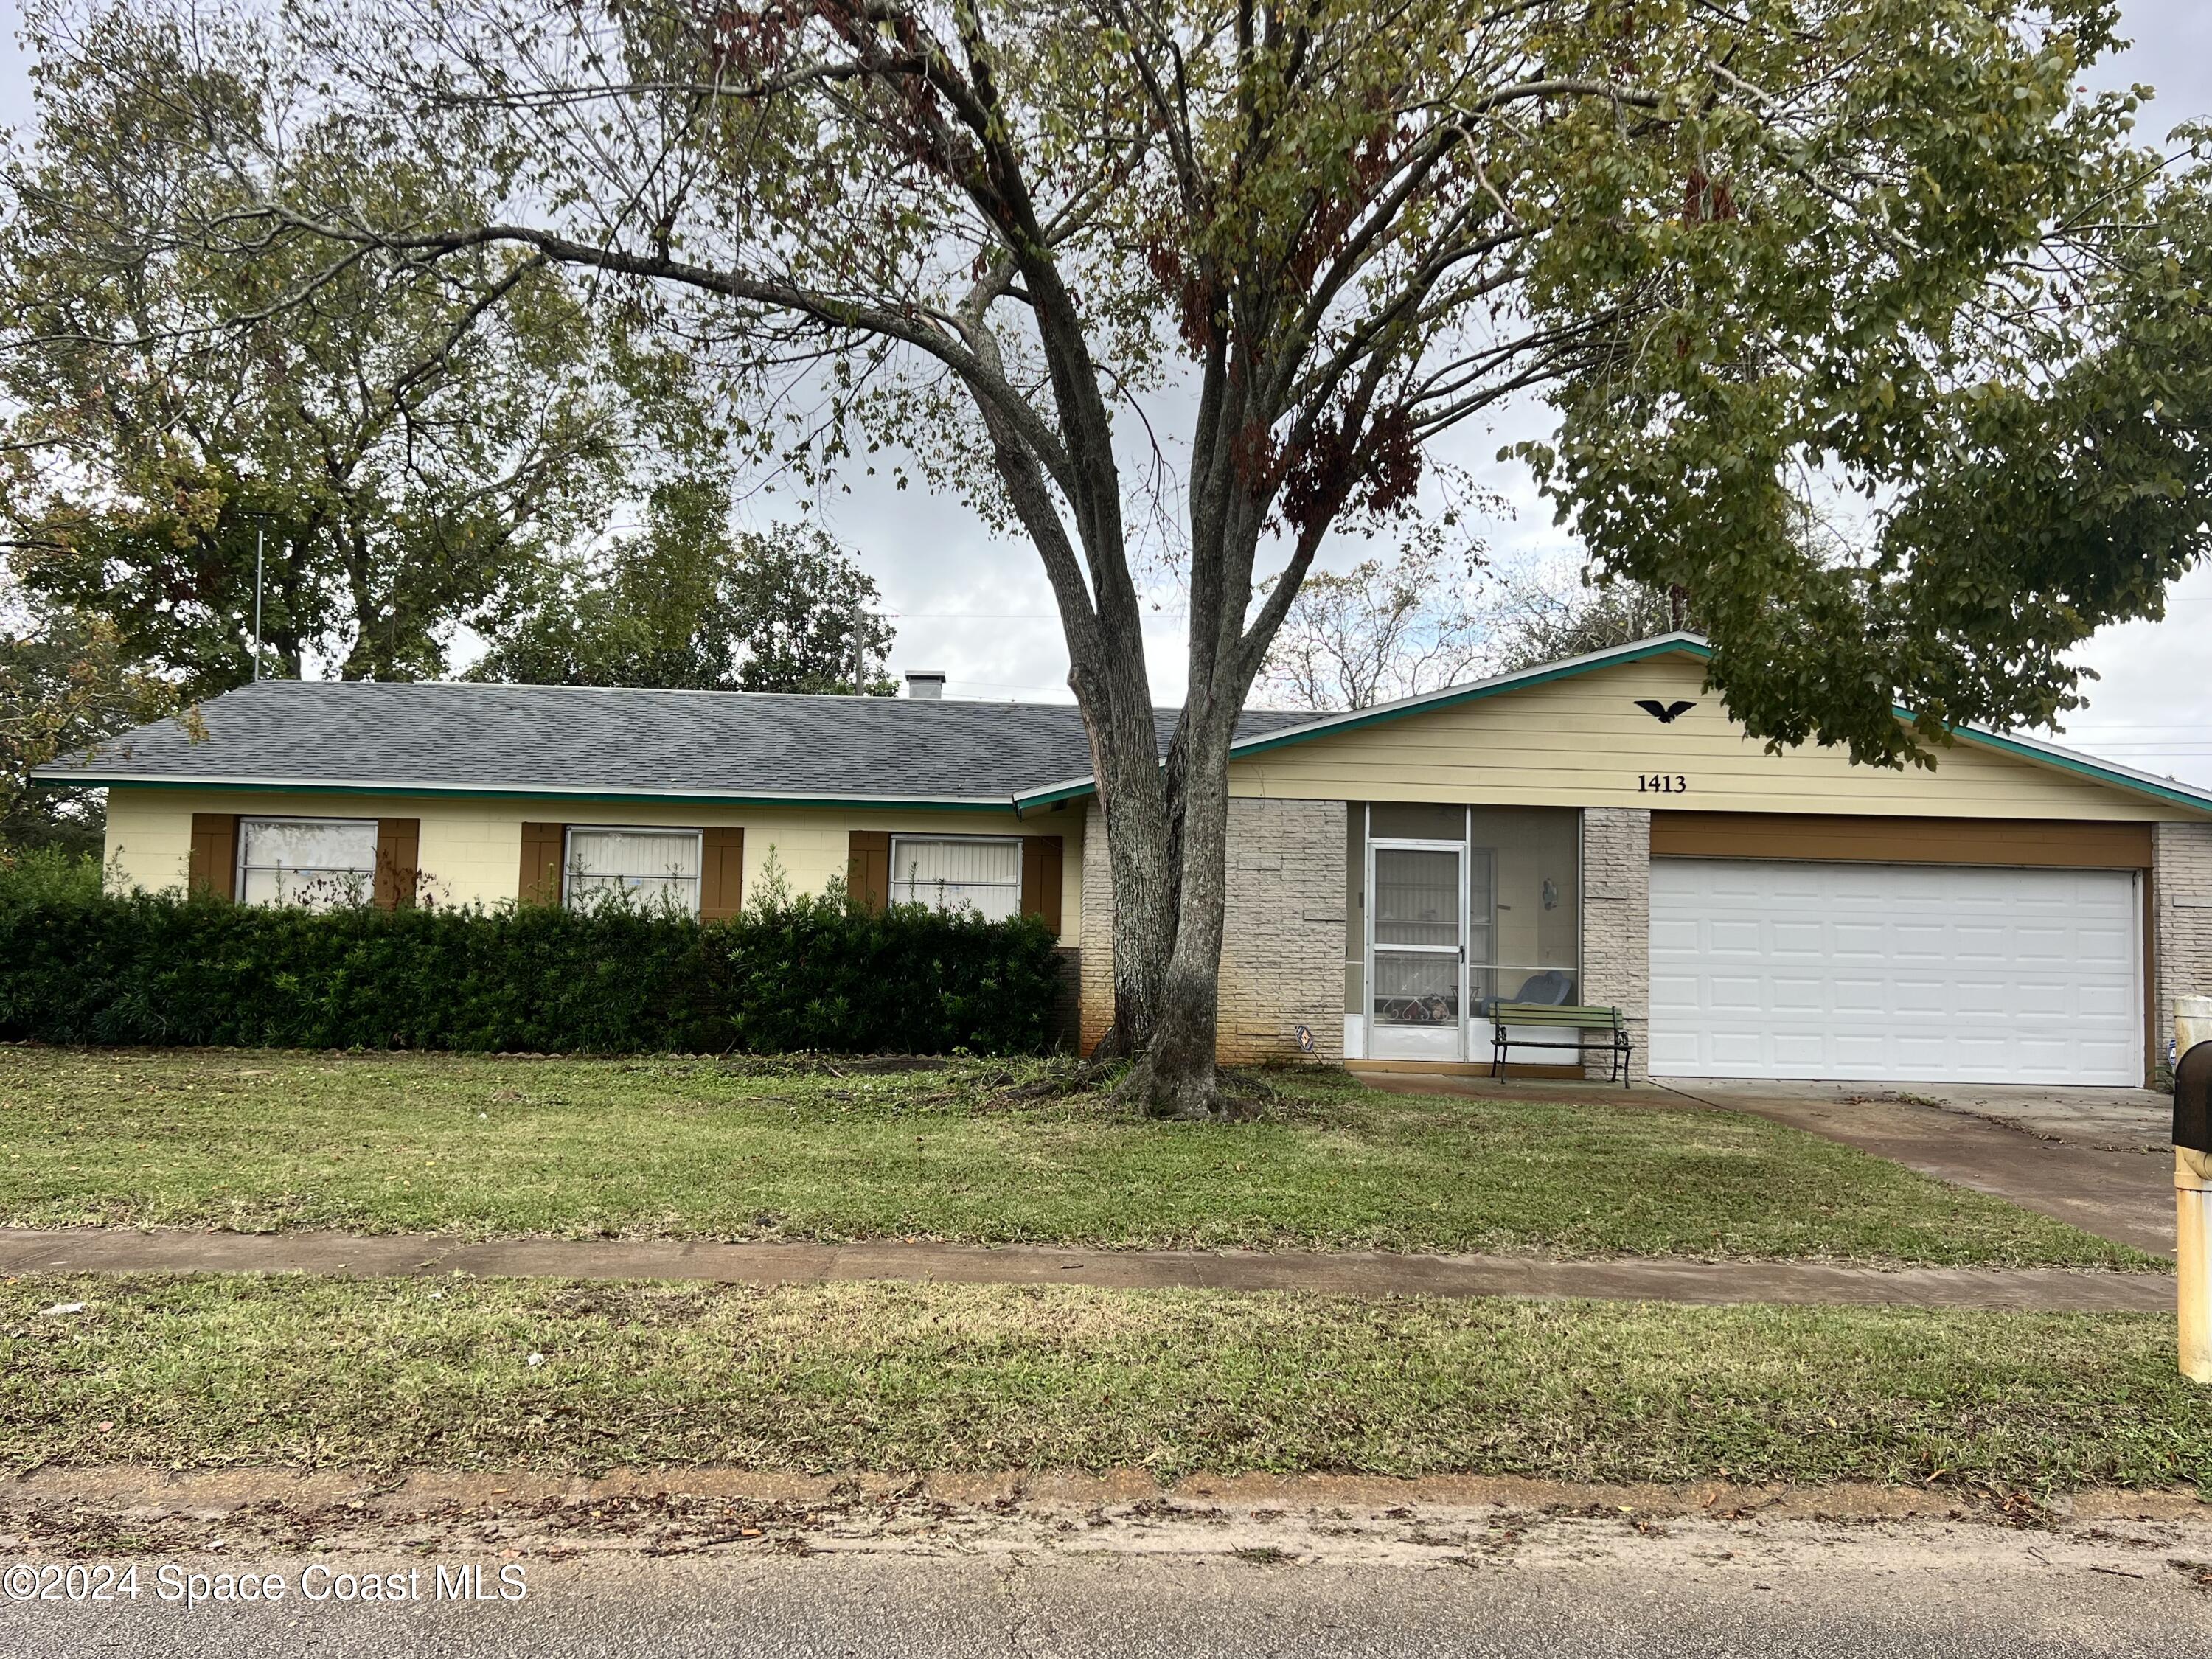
1177	1075
1166	824
1140	858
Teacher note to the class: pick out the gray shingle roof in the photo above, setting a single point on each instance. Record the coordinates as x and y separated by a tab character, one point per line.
578	739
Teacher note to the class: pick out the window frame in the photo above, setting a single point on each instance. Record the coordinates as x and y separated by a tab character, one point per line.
671	831
892	883
241	868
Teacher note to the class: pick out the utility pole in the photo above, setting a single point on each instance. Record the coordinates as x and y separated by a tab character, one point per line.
260	535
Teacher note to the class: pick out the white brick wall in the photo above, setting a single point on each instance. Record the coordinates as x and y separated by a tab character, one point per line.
1282	955
1097	944
2181	924
1617	923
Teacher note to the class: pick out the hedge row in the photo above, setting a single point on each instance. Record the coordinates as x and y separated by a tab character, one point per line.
808	974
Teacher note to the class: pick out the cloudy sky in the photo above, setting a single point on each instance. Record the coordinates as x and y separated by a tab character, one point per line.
978	608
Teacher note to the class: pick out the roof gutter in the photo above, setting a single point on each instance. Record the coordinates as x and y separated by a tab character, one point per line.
519	791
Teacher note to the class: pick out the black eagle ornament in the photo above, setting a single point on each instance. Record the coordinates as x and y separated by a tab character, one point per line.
1665	713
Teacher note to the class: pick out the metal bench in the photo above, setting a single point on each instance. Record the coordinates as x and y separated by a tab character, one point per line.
1595	1031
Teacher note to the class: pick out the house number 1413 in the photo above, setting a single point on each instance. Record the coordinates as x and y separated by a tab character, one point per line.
1662	783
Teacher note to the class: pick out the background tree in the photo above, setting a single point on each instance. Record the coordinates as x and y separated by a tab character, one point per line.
1375	633
403	440
686	604
65	685
1549	610
1745	249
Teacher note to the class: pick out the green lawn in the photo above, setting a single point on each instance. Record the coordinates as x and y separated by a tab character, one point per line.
255	1140
390	1374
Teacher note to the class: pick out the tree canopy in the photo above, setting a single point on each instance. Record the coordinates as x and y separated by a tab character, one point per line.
399	442
687	605
65	685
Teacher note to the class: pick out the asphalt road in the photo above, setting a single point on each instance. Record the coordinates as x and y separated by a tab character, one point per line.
2016	1595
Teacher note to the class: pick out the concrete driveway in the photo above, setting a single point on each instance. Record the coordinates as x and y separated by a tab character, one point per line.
2105	1120
2096	1158
2099	1158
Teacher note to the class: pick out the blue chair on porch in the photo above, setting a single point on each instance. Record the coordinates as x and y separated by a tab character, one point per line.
1549	986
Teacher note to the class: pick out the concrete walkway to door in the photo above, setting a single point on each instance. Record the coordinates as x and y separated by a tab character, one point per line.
2092	1157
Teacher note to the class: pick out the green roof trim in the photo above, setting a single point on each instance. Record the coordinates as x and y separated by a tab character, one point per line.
2065	760
867	802
1688	645
1328	726
2165	791
1054	796
1453	696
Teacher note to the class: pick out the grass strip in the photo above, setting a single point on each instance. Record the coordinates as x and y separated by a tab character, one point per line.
189	1371
977	1151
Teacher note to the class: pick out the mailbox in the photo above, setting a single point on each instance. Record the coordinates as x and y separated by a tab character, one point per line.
2192	1100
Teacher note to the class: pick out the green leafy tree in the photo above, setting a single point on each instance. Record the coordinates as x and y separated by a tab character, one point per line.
687	605
395	441
1744	249
66	686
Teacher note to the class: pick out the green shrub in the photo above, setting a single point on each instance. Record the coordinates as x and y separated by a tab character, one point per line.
48	872
801	974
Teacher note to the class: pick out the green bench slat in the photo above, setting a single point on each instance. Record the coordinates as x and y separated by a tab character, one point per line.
1552	1013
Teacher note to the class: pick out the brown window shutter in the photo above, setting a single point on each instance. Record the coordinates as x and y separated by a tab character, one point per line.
1041	856
540	881
721	874
213	866
398	841
868	868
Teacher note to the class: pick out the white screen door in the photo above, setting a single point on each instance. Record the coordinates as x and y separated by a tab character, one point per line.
1417	952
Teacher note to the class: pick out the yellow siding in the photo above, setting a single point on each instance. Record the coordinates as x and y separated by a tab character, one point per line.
1582	741
471	849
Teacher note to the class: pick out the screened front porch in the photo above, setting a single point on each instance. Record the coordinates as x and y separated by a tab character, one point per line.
1449	911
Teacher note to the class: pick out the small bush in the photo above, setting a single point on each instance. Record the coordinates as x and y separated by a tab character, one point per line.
813	972
47	873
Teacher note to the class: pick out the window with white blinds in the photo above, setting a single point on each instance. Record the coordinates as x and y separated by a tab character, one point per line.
648	868
952	872
316	862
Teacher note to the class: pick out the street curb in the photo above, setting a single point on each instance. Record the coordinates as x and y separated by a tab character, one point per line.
129	1488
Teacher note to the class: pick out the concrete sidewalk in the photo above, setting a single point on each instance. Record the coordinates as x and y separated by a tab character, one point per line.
1348	1272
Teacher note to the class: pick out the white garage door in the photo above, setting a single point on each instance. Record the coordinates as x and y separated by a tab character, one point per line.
1894	973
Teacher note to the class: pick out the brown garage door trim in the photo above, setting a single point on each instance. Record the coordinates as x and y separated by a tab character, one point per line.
1831	838
2019	843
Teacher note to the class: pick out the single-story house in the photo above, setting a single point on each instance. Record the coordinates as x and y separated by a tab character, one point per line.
1595	832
